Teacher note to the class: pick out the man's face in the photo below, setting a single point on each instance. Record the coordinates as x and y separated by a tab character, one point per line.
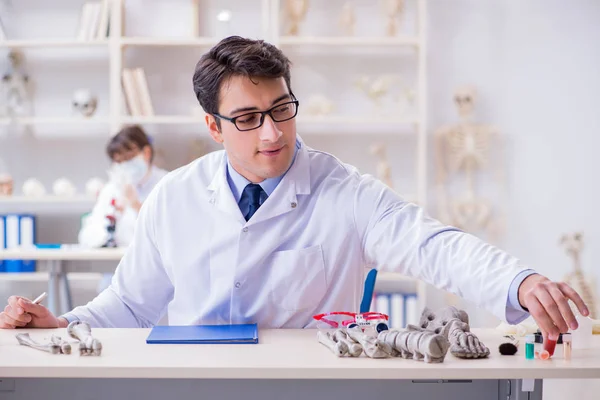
260	153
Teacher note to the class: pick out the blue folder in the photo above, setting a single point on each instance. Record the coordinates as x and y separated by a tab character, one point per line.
204	334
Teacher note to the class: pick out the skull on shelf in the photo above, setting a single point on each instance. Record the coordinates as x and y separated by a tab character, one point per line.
84	102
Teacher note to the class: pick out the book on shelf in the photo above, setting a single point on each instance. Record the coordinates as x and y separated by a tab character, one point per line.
2	33
94	20
136	91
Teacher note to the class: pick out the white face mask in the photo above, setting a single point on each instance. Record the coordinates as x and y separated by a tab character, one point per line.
134	170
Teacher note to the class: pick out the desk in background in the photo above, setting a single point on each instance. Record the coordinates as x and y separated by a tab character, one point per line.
59	293
286	364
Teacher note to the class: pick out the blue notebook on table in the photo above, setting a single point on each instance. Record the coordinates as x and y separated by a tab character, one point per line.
204	334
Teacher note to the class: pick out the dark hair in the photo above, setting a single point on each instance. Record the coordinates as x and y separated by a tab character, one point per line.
236	56
129	138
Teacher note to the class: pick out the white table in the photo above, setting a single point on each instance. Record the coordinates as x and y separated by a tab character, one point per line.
59	294
290	362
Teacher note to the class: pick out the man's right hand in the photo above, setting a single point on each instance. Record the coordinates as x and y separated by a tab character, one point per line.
22	313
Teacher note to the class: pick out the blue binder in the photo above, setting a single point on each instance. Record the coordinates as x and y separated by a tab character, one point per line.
19	230
204	334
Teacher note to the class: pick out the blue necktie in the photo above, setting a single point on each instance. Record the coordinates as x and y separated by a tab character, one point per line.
253	192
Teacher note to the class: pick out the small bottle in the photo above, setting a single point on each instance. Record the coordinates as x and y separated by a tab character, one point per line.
549	346
567	345
529	347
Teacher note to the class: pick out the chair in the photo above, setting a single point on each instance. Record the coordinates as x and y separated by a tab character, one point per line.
365	304
405	289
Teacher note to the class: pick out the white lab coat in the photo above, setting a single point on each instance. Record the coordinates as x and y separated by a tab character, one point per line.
304	252
93	231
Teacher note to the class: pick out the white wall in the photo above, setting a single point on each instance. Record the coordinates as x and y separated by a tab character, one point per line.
535	64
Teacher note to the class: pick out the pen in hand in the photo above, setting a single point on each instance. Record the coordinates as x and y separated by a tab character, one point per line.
40	298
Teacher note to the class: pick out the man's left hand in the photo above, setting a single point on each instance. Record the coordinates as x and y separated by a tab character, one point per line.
548	304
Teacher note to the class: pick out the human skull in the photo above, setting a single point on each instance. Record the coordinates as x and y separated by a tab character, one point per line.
84	102
33	188
464	98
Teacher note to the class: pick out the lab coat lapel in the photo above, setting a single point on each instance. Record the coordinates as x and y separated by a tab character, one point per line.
285	198
221	197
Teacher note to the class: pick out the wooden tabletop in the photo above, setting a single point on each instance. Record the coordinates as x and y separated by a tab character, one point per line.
281	354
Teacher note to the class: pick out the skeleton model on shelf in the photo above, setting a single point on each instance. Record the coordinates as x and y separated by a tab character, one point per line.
583	284
348	19
377	88
384	171
295	11
465	147
319	105
393	11
16	99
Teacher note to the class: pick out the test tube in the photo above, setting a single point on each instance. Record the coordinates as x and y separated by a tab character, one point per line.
529	347
549	346
567	345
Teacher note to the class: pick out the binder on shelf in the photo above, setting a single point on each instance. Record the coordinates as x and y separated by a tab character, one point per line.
19	230
204	334
2	239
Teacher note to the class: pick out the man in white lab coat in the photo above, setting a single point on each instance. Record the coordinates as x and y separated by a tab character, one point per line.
273	232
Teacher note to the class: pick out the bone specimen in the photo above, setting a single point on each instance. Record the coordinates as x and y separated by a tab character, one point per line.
348	19
383	166
25	340
372	346
419	345
466	147
65	347
354	348
573	245
337	348
295	12
454	325
88	345
393	9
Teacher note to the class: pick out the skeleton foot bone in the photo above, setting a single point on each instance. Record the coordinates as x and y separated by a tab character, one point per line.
419	345
26	340
88	345
65	347
354	348
372	347
454	325
338	348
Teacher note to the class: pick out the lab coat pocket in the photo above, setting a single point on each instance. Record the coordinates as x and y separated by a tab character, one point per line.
298	280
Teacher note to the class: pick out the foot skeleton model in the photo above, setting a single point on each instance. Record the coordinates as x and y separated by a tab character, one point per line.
88	345
419	345
573	244
454	325
466	147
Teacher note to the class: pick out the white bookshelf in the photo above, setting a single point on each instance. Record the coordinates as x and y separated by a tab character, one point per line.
118	44
349	41
48	200
168	42
51	43
54	121
162	119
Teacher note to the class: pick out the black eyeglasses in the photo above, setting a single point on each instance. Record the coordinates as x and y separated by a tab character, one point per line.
279	113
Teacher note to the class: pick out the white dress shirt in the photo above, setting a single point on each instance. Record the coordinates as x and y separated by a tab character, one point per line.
304	252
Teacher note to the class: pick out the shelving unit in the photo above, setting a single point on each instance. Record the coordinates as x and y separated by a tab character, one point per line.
50	43
118	45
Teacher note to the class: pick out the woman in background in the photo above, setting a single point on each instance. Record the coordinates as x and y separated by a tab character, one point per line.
132	176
